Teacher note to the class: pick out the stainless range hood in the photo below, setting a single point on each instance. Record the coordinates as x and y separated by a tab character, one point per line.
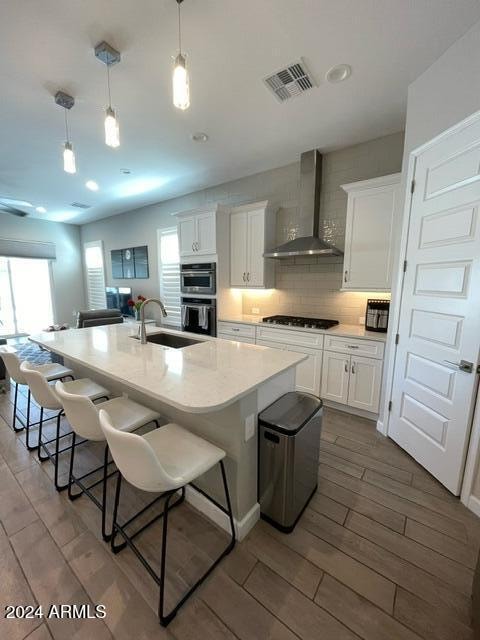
310	182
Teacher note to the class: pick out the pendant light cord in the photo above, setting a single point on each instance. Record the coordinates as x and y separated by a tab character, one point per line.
179	30
108	86
66	125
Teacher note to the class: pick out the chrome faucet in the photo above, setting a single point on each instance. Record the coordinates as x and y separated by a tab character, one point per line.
141	330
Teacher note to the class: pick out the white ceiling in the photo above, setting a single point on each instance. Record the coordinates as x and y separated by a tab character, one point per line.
231	45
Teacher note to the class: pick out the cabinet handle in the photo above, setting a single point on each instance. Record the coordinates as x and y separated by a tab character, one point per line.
345	276
248	276
346	366
353	346
198	246
235	329
353	367
193	246
244	276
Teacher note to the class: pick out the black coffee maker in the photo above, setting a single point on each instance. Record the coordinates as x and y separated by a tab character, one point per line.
376	316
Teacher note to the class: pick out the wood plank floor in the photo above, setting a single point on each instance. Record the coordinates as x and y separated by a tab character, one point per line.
383	552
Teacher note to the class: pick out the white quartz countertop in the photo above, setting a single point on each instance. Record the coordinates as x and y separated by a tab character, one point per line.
347	330
200	378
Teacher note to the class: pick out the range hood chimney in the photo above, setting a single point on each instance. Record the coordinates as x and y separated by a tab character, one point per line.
310	183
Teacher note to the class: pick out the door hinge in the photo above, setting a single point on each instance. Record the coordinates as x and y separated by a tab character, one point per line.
390	405
412	186
397	338
405	264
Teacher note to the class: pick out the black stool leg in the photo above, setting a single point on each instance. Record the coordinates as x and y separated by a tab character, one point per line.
31	447
106	536
119	547
14	418
71	495
164	620
58	487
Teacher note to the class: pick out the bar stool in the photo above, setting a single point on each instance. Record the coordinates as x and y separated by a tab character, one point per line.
82	415
50	371
45	396
164	460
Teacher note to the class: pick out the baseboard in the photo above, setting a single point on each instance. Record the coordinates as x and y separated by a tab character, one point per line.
474	505
381	428
202	504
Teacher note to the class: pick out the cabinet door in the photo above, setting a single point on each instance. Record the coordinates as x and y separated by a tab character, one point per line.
206	239
335	374
227	336
256	247
238	249
368	239
309	372
186	236
365	381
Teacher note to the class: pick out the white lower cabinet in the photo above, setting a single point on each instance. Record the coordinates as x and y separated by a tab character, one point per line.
335	375
365	382
352	380
309	372
227	336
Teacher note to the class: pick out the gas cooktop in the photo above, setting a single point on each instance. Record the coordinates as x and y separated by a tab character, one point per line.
298	321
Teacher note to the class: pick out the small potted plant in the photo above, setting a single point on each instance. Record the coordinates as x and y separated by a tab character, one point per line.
135	305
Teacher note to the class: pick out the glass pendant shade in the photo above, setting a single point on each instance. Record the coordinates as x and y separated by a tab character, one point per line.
69	158
112	131
181	92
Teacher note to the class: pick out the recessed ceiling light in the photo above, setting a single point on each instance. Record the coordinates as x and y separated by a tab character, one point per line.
199	137
92	185
338	73
40	209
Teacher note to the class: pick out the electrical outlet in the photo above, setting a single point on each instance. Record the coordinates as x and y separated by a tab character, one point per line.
249	427
255	311
361	319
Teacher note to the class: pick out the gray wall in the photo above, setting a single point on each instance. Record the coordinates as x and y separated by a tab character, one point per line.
368	160
67	273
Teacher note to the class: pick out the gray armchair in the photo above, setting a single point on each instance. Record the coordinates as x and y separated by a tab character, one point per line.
98	317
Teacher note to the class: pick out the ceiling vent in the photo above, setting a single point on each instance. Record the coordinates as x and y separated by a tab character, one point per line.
290	82
80	205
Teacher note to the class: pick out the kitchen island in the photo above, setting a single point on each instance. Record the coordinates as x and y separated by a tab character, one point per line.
215	388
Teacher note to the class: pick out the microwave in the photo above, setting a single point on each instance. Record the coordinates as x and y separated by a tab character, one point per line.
198	278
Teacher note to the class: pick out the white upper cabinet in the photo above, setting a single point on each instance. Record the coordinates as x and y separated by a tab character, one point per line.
252	230
368	238
197	233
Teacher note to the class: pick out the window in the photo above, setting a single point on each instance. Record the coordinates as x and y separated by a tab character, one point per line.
169	273
25	296
95	275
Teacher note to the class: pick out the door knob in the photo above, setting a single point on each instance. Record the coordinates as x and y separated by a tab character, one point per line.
463	365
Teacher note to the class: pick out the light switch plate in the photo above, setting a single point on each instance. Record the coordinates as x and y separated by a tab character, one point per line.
249	427
255	311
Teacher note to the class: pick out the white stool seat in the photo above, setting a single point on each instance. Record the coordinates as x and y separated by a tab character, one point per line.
52	371
181	453
85	387
126	414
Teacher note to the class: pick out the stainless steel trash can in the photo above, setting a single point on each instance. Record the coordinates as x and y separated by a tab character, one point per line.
288	453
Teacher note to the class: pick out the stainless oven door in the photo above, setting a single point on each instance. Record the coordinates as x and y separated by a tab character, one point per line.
198	281
199	317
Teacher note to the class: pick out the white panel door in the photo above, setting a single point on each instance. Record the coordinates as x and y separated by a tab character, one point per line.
256	247
365	383
206	241
433	397
335	375
186	236
238	249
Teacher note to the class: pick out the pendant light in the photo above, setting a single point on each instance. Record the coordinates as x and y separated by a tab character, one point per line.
181	91
66	102
109	56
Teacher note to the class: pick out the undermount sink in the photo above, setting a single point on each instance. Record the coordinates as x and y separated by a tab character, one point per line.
170	340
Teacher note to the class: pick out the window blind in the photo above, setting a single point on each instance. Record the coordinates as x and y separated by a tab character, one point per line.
20	249
169	271
95	275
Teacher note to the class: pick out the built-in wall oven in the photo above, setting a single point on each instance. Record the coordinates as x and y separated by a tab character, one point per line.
198	278
199	315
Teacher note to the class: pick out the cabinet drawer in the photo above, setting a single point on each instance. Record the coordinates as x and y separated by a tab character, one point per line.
353	346
234	329
283	336
236	338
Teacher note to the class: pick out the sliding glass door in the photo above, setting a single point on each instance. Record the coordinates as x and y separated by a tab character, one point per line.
25	296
